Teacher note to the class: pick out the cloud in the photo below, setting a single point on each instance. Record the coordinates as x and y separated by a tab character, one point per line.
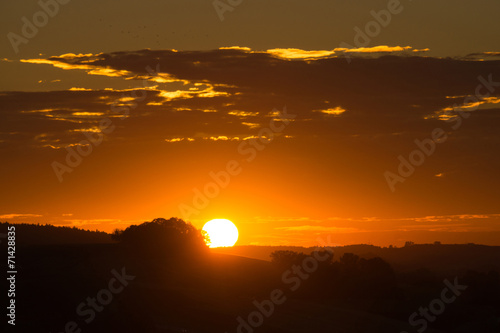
329	96
383	49
319	228
300	54
240	48
484	56
352	120
308	55
277	219
441	223
18	216
442	218
90	222
225	138
337	111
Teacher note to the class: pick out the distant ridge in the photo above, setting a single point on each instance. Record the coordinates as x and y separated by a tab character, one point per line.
38	234
436	257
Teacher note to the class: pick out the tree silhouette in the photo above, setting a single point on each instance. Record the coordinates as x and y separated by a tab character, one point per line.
161	237
286	258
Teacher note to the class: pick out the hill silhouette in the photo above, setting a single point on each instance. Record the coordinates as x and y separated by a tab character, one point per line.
209	291
441	258
39	234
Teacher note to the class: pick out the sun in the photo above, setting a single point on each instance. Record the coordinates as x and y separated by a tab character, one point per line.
221	232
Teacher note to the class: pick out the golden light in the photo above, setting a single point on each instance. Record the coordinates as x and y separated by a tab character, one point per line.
221	232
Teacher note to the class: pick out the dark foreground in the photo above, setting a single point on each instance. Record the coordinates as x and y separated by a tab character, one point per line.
103	288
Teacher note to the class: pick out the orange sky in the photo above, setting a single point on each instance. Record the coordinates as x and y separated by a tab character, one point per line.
99	136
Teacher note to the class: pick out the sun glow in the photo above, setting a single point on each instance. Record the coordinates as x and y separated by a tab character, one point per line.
221	233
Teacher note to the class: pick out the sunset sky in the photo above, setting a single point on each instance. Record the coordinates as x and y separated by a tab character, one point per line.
173	97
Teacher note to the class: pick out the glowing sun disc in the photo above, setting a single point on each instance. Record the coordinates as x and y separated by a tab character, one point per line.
221	232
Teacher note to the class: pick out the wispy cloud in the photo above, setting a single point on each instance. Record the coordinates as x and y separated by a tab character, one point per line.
18	216
319	228
308	55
